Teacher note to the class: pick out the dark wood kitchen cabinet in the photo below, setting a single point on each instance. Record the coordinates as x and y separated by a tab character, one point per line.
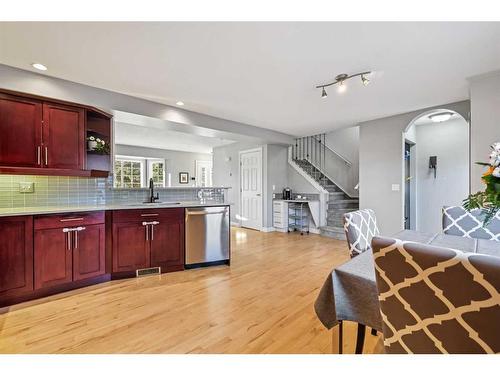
53	258
16	256
89	252
20	132
63	137
68	248
167	243
130	246
43	136
148	238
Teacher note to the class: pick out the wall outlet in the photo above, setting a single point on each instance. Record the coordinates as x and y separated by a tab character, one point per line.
26	187
395	187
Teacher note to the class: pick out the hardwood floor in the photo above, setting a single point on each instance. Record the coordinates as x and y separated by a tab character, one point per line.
263	303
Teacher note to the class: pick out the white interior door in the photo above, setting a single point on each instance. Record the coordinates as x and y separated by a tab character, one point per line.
203	173
251	188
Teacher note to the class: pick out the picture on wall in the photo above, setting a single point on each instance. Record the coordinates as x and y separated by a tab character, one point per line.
183	177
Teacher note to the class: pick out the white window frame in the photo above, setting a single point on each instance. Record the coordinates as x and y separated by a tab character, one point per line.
135	159
150	162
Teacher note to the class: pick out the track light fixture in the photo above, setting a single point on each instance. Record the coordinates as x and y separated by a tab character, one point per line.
340	80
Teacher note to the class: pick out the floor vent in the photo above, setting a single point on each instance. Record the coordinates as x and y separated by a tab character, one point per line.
148	271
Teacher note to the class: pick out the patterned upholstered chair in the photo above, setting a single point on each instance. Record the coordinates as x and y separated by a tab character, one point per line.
459	222
437	300
360	227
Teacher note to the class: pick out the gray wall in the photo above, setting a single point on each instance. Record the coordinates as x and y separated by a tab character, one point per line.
449	141
485	122
226	172
177	161
275	171
40	84
381	164
346	143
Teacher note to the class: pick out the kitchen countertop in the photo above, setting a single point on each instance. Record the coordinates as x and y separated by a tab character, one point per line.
18	211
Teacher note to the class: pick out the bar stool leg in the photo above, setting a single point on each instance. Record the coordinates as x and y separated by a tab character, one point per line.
360	339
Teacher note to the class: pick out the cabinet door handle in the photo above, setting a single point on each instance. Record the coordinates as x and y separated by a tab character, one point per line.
39	155
152	231
68	239
147	231
149	215
46	156
75	237
71	219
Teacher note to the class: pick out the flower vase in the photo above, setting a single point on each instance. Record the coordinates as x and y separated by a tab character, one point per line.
91	145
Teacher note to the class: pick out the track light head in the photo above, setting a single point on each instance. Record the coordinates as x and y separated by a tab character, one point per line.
341	87
323	93
365	80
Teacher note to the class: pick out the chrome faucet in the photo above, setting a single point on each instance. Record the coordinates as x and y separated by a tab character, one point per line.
152	197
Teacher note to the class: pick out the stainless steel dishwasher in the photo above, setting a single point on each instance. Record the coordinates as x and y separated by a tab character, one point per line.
207	236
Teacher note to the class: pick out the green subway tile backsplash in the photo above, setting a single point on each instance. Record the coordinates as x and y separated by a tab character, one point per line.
79	191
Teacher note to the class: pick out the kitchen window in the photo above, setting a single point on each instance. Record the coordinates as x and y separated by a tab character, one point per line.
129	173
156	171
134	172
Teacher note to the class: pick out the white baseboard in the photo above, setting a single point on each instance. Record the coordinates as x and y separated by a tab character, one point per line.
235	224
267	229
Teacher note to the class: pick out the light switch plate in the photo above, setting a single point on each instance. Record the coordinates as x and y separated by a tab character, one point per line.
395	187
26	187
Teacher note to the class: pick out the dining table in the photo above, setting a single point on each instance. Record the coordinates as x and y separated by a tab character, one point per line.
349	292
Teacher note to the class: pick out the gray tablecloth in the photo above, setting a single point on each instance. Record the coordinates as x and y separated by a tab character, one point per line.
350	291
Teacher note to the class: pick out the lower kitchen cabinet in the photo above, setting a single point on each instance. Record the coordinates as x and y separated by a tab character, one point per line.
130	246
167	244
68	248
148	238
53	258
16	256
89	252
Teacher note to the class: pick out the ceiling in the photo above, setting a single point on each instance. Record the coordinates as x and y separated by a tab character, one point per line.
264	74
142	131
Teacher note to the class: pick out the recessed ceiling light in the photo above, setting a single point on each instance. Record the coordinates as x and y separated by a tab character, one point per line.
39	66
180	103
440	117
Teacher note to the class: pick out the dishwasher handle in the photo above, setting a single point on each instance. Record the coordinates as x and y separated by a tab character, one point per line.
199	213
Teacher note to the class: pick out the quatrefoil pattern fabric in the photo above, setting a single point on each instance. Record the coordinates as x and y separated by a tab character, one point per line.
437	300
360	227
459	222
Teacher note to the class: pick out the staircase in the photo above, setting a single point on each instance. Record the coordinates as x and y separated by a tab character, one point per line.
311	155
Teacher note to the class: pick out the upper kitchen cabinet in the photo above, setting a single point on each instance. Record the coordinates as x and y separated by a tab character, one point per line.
63	137
42	136
20	132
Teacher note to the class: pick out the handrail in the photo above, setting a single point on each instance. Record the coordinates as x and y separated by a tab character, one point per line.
335	152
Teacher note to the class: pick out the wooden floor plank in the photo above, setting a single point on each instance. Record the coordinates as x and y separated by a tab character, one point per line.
263	303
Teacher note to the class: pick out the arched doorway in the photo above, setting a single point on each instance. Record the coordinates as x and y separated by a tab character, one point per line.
436	167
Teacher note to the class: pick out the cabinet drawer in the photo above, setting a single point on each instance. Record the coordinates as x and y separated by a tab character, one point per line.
68	219
123	216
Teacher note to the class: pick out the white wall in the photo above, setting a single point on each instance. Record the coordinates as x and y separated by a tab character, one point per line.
381	165
177	161
485	122
449	141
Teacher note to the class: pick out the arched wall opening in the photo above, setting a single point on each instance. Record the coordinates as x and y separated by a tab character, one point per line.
436	167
